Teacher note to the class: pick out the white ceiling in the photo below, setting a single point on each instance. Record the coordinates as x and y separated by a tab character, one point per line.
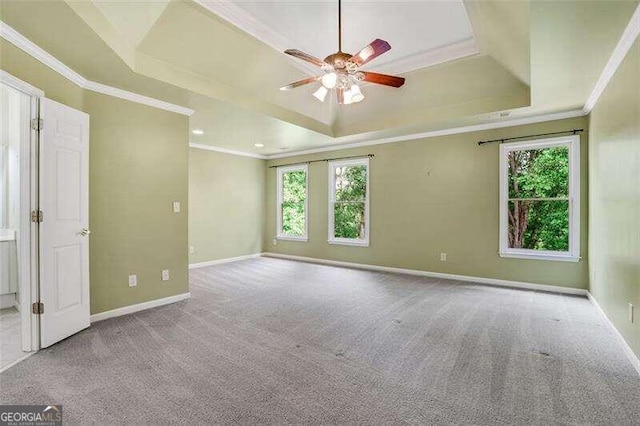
421	33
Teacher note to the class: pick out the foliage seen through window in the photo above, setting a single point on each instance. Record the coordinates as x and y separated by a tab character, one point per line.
539	199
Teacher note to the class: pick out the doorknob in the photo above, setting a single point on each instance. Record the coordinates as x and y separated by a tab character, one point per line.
85	232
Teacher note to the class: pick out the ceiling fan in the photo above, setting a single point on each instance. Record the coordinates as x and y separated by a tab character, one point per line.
342	70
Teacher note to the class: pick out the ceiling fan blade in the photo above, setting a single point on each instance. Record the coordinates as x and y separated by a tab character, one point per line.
300	83
340	95
376	48
305	57
387	80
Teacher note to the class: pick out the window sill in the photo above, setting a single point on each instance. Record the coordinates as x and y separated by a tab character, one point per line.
541	256
292	238
347	242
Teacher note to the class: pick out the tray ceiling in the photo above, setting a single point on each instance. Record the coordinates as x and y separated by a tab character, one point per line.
531	61
421	33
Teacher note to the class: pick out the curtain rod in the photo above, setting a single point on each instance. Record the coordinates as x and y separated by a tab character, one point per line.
574	131
325	159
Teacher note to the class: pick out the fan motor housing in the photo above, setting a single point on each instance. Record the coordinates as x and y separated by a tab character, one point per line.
338	60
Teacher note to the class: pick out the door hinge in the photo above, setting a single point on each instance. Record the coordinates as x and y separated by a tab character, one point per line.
37	124
37	308
37	216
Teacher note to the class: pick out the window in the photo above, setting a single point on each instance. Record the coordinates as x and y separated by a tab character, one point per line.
349	202
539	199
292	203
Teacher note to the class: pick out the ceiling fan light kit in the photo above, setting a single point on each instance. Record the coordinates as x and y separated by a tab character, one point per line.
342	70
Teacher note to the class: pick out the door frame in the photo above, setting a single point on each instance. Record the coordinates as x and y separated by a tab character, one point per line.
29	201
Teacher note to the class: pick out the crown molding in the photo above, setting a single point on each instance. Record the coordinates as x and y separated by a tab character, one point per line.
29	47
435	133
137	98
424	135
239	18
243	20
625	43
32	49
226	151
428	58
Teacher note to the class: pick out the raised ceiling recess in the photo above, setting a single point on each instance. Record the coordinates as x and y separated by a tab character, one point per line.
465	62
429	32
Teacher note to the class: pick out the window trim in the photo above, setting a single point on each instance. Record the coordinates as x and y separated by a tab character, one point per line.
367	216
279	234
573	254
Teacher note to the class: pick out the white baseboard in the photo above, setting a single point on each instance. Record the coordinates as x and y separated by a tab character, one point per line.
7	300
139	307
635	361
479	280
220	261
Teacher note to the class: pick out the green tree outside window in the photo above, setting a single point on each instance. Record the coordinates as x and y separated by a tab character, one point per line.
294	196
350	202
539	199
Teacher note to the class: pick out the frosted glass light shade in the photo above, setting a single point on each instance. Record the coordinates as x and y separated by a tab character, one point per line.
330	80
321	93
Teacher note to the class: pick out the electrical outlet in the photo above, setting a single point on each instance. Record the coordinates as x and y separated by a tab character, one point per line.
274	242
165	275
192	249
133	280
630	312
176	206
443	257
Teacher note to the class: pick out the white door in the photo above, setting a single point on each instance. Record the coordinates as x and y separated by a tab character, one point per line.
64	202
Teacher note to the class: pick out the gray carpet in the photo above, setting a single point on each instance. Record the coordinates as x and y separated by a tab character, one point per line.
276	341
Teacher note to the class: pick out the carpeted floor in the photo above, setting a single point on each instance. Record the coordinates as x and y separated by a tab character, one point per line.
276	341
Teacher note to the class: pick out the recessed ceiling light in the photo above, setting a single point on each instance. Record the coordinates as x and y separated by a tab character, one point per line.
197	132
258	145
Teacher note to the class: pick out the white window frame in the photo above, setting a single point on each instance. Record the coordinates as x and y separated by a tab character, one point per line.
332	197
279	234
573	254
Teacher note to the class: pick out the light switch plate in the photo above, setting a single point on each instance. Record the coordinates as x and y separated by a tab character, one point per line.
176	206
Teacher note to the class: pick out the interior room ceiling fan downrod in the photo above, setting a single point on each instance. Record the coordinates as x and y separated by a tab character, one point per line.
342	70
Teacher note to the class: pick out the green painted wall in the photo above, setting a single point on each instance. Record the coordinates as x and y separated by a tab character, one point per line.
431	196
138	164
138	167
56	87
614	173
226	205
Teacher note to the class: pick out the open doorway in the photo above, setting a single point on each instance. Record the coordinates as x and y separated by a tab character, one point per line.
44	220
18	284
